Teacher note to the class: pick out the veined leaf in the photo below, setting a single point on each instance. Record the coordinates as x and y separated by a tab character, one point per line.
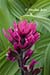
47	61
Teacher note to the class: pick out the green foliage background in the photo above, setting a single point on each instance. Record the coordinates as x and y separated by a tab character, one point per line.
11	10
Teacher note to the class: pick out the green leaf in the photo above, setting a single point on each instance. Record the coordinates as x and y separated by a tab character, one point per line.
47	61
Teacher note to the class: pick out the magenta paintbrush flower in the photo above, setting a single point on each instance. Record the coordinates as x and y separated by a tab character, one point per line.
22	37
24	34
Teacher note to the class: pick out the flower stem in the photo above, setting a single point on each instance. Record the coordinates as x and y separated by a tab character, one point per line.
22	71
20	63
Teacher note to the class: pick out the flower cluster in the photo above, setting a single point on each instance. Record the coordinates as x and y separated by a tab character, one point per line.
22	37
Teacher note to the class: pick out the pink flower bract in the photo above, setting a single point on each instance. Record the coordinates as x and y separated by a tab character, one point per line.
24	34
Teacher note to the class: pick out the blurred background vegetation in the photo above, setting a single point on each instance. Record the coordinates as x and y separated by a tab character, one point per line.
15	10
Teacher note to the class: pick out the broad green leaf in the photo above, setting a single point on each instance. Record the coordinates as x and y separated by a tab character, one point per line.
47	61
